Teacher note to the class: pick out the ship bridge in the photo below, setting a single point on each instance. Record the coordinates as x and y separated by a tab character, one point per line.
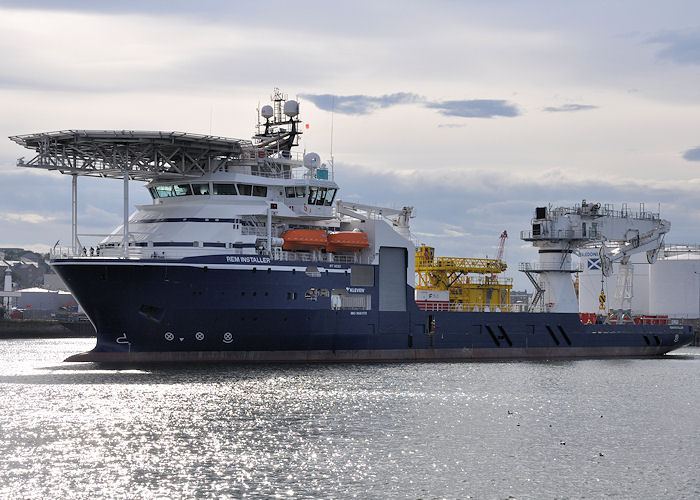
136	155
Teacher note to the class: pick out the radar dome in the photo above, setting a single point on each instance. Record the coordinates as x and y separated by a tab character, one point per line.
312	160
266	112
291	108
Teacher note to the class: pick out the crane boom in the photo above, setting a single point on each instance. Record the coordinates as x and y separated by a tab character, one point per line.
502	244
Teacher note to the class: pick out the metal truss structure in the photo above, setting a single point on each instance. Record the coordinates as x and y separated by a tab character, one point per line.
141	155
472	283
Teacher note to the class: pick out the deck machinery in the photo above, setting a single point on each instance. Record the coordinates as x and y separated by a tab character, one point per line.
469	284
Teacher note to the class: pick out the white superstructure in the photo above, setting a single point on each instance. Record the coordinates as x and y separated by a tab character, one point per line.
256	199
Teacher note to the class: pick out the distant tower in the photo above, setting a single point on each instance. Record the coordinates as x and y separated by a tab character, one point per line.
8	280
7	287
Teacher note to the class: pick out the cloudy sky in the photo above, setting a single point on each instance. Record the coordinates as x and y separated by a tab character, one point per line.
474	112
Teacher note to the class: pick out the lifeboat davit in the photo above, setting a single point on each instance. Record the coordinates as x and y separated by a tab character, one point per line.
304	239
347	241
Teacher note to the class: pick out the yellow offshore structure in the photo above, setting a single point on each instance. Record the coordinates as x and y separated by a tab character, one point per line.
473	284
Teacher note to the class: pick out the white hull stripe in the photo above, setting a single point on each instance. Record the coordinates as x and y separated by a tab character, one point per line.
241	267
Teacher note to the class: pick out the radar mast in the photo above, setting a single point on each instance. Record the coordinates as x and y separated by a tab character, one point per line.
280	132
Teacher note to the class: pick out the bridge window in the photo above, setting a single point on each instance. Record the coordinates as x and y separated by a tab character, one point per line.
225	189
295	191
200	189
154	193
321	196
330	196
182	189
313	195
164	191
245	189
260	191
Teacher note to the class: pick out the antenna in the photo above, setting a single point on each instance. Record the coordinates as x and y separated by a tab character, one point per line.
258	113
332	115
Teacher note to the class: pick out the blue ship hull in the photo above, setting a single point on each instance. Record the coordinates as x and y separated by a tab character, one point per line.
203	309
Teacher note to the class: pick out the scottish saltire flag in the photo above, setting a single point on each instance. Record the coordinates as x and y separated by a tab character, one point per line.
594	263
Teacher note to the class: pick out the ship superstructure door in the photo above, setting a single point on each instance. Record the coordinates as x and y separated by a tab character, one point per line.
393	262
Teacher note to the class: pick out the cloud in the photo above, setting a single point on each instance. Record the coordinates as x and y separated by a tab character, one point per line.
47	197
692	154
153	7
567	108
359	104
32	247
475	108
451	125
364	104
25	218
680	46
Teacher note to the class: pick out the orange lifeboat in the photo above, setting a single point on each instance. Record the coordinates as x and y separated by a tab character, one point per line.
347	241
304	239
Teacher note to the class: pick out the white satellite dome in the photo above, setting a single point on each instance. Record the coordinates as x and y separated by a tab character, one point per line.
266	111
291	108
312	160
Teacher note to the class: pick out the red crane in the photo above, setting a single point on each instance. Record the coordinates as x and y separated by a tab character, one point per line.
502	244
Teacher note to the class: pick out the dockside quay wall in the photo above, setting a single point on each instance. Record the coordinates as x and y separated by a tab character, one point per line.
31	328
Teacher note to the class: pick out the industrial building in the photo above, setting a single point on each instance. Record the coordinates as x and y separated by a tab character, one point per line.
34	300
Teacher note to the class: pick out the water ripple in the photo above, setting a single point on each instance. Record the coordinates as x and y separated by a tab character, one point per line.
584	429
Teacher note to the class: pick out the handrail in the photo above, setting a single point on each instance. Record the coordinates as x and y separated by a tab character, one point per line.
465	307
150	253
538	267
560	234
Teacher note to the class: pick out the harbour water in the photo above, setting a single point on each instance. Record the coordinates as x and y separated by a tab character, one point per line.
565	429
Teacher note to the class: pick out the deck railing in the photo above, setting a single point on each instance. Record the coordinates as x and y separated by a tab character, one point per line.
150	253
461	307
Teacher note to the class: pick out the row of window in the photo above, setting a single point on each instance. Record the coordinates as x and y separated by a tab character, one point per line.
166	191
316	196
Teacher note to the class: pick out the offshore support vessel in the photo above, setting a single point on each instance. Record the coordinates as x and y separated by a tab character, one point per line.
247	255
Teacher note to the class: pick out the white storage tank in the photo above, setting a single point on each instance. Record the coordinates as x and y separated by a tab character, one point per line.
589	283
675	287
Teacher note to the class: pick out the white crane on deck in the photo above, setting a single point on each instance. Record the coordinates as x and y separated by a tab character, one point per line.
560	232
